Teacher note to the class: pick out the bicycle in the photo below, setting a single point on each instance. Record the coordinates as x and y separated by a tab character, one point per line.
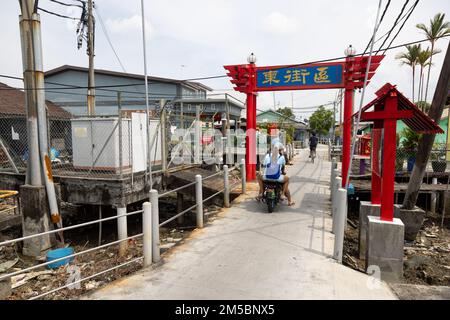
312	154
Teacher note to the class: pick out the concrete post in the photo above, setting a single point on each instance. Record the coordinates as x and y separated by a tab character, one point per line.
243	177
385	241
333	186
34	204
366	209
155	225
226	185
433	198
332	176
340	222
337	185
122	232
147	231
199	200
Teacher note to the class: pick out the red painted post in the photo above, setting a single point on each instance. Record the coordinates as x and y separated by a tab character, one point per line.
347	133
250	145
389	151
376	170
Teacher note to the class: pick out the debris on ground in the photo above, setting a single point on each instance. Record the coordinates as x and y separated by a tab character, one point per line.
426	260
5	266
40	280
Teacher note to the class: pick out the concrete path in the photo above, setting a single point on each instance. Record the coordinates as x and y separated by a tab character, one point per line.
247	253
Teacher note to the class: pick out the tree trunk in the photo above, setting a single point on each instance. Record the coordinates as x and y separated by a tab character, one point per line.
426	143
429	70
414	79
420	85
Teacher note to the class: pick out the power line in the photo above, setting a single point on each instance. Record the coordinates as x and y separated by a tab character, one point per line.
107	37
57	14
66	4
401	27
397	20
221	76
379	23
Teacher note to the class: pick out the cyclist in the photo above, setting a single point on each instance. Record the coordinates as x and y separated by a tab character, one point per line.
313	140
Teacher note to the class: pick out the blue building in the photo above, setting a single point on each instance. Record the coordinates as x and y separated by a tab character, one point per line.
67	87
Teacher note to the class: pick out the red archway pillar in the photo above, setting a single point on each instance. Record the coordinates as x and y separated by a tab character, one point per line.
250	143
376	170
347	133
389	155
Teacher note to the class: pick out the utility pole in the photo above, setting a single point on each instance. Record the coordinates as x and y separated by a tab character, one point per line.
34	195
427	140
90	52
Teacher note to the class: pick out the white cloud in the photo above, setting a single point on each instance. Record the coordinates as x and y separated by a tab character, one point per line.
124	26
279	23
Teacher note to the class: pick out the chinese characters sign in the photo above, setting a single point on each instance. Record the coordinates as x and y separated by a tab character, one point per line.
303	77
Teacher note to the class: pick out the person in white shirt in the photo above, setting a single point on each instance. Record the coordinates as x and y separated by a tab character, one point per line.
273	164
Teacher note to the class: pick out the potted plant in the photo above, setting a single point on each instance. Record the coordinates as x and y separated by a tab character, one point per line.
437	156
410	143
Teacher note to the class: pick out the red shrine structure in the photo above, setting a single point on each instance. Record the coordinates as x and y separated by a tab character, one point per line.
348	74
389	107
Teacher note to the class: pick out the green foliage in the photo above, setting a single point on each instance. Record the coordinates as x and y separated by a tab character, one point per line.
438	152
424	106
287	112
410	140
410	57
437	28
290	134
321	121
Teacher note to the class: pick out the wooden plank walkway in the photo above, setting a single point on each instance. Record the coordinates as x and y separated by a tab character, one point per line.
365	186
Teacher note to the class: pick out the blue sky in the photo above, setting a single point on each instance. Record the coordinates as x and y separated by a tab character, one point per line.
204	35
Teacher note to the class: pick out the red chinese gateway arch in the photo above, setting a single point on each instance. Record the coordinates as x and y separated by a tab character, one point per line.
348	74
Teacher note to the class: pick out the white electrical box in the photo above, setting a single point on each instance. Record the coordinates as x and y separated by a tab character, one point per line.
97	146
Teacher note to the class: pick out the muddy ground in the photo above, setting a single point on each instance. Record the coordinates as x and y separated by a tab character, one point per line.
33	283
426	260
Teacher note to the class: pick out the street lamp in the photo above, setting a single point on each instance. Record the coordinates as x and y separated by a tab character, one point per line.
251	58
350	51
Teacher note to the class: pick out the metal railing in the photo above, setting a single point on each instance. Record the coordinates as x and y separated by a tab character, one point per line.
150	227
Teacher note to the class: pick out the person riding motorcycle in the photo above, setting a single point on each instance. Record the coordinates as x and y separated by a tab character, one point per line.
273	171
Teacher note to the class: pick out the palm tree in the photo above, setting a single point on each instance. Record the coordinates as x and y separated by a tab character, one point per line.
410	58
438	28
423	60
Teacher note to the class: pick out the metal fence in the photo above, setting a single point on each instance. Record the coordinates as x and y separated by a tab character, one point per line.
115	145
150	225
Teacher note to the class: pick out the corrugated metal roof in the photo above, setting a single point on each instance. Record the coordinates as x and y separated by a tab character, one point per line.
420	122
195	85
12	102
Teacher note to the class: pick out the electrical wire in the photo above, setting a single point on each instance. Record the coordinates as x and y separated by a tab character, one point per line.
66	4
57	14
105	31
366	77
397	20
379	23
225	76
401	27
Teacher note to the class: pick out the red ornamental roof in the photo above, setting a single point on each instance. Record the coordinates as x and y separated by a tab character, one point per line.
420	122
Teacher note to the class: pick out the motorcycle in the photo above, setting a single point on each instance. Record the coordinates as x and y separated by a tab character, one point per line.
272	194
